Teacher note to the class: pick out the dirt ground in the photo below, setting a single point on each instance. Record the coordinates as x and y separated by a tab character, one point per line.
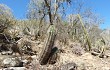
71	55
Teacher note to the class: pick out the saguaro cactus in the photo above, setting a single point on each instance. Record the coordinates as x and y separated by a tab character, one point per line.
45	54
85	32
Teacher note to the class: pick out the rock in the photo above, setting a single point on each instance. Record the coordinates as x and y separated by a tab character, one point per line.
6	52
34	65
94	53
25	61
69	66
34	57
14	68
29	59
12	62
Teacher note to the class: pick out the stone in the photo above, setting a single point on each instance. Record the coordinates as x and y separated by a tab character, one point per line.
69	66
14	68
6	52
12	62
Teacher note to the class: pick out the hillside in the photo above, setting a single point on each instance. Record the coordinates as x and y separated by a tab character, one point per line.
51	39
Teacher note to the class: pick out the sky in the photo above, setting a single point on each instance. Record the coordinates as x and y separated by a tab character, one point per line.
18	7
101	7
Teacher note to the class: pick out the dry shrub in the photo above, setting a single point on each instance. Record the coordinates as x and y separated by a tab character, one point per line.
62	33
27	46
76	49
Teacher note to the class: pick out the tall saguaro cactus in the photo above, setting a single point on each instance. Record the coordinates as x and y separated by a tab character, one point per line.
45	54
85	32
51	37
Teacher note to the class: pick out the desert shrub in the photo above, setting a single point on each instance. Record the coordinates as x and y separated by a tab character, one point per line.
106	38
30	28
6	17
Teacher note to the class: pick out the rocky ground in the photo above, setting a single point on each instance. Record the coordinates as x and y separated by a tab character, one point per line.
69	57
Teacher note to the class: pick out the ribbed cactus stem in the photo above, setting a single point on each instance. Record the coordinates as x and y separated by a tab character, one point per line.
85	32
